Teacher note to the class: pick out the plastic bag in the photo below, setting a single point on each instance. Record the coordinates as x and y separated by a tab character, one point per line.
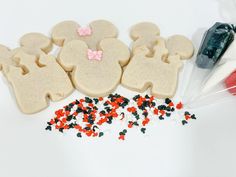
213	76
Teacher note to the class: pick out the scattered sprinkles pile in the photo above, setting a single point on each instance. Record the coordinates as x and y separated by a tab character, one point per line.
88	116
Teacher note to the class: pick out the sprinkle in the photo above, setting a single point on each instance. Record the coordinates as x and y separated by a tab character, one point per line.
184	122
143	130
48	128
179	105
86	116
79	135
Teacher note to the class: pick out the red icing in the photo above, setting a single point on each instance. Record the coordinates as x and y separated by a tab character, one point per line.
230	82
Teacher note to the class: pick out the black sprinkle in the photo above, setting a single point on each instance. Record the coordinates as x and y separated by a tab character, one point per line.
186	113
168	108
143	130
78	110
79	135
121	133
71	125
102	112
101	134
48	128
87	128
184	122
167	101
105	104
153	104
137	117
69	118
71	105
136	97
168	114
109	121
147	97
94	128
135	123
145	114
67	108
95	100
88	100
193	116
161	117
49	123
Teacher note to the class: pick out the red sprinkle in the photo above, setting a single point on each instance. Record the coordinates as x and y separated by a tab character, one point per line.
179	105
122	137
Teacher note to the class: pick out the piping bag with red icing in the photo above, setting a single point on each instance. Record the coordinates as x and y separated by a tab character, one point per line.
213	76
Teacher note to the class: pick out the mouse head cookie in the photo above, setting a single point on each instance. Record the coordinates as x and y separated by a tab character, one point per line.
93	55
157	67
95	73
144	34
31	43
67	31
34	83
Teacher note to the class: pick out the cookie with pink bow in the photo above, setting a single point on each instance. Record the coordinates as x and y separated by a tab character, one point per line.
93	55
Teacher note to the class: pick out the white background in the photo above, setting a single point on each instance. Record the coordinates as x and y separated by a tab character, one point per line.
204	148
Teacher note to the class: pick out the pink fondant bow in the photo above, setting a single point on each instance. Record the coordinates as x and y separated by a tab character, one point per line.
94	55
84	31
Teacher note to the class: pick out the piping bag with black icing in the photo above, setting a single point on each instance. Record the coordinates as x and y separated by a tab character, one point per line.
216	46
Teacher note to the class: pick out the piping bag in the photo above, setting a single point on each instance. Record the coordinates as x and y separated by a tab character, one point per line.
213	75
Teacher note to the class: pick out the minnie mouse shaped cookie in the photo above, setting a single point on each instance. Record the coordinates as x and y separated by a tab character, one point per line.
156	61
34	75
92	54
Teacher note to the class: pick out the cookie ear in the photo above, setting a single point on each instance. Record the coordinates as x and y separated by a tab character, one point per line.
64	32
36	41
72	53
144	29
180	45
115	50
100	29
103	29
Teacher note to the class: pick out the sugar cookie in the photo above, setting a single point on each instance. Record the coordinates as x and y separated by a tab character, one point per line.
95	73
34	82
92	54
156	61
34	75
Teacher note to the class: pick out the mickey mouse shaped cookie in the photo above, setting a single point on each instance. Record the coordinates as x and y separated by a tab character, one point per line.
93	55
34	75
156	61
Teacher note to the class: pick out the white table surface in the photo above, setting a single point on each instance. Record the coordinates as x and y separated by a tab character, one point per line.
204	148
